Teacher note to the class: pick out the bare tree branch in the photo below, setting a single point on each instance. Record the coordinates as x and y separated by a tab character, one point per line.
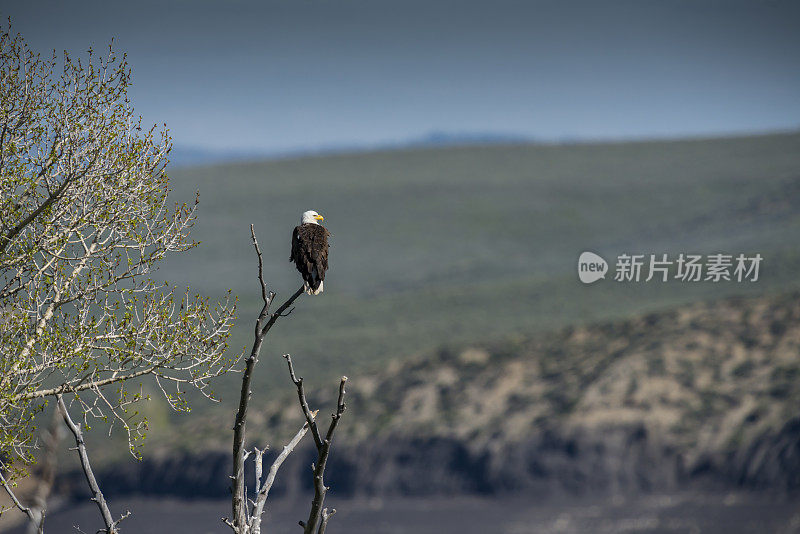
38	521
263	491
315	517
323	524
264	323
260	264
301	394
97	495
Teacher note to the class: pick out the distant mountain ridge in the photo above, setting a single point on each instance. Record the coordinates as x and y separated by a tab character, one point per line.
186	155
192	156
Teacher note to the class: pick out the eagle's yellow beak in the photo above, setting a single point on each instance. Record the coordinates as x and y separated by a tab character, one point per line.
319	217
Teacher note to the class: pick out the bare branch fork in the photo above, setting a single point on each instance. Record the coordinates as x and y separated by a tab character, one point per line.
319	516
97	495
245	521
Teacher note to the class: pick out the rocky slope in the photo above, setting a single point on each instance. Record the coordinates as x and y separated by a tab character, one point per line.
702	396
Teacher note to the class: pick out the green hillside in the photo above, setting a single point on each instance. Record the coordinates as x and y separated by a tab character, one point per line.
454	246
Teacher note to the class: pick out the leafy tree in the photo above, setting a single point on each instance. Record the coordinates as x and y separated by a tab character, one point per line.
84	221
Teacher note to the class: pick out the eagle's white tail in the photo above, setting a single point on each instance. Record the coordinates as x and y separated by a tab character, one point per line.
310	291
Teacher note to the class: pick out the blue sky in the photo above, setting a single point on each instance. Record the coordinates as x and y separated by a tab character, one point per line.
305	75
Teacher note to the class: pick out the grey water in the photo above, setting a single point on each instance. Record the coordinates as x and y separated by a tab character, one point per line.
688	512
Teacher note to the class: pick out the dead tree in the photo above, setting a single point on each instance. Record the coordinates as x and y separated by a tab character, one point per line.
247	513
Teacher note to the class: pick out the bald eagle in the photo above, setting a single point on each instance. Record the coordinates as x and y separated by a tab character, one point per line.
310	251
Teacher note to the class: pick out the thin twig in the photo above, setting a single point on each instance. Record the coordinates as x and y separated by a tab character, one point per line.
97	495
260	264
24	509
301	394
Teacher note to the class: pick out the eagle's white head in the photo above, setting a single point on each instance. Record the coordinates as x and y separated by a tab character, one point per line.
311	217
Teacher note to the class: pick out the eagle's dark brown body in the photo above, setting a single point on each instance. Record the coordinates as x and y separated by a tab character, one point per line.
310	254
